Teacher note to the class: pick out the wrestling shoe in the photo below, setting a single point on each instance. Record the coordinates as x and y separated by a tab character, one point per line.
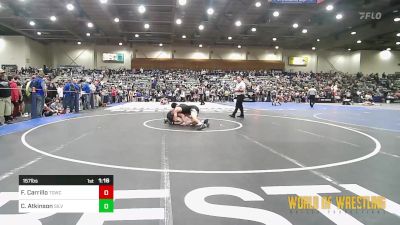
201	127
241	116
169	122
206	123
233	116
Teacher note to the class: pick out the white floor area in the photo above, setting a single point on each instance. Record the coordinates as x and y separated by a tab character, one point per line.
156	106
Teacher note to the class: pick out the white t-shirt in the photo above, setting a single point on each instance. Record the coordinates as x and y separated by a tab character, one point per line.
60	92
92	88
312	91
239	86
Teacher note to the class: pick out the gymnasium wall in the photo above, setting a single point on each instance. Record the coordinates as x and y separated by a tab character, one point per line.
13	50
189	52
348	62
375	62
37	54
72	54
24	52
212	64
345	61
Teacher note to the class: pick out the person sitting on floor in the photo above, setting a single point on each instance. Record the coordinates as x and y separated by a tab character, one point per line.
47	111
57	106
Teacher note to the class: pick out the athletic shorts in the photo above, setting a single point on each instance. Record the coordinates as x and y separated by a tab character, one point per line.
193	113
5	106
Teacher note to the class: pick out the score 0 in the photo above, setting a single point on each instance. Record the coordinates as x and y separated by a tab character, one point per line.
106	198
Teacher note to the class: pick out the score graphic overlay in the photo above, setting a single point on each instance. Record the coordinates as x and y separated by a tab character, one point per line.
66	194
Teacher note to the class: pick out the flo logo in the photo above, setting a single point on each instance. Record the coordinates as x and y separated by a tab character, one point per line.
370	15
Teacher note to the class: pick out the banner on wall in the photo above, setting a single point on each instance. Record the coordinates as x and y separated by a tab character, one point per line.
113	57
9	68
298	61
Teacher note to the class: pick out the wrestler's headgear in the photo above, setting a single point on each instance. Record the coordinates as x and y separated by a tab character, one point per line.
173	105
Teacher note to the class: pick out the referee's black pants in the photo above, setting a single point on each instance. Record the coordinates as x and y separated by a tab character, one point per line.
312	100
239	105
202	99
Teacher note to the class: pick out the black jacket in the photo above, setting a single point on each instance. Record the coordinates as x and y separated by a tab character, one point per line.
5	90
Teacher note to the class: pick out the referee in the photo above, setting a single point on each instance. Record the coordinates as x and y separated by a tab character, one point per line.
312	92
239	92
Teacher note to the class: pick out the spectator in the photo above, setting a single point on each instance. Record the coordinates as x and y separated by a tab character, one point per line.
15	96
69	88
38	87
92	88
51	89
113	94
187	85
86	95
56	106
5	99
75	91
60	91
27	99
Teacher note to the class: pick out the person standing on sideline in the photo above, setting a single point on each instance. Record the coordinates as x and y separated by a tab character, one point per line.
51	89
60	92
5	99
27	98
86	95
92	92
240	90
67	96
15	96
38	86
113	95
75	95
312	92
202	93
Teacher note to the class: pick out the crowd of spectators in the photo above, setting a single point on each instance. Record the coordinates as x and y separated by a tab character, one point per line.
71	90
